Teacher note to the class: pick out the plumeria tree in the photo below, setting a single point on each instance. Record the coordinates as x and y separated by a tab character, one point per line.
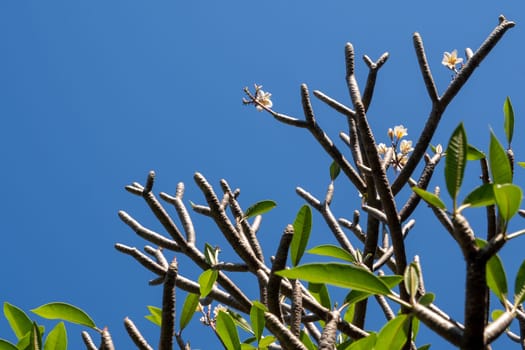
293	306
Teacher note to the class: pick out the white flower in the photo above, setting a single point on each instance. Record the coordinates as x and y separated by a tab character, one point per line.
451	59
406	147
218	308
381	148
399	131
263	98
439	149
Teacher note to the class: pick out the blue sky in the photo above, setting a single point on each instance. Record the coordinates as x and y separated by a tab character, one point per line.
95	94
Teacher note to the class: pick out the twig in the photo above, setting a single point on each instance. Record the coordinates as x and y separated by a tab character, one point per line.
372	75
88	342
425	68
246	229
135	335
237	241
329	218
147	234
141	258
336	105
423	182
184	216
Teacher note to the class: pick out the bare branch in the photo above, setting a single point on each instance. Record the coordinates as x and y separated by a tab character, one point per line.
141	258
279	263
297	308
336	105
286	338
237	241
147	234
246	229
136	336
372	75
425	68
86	338
167	327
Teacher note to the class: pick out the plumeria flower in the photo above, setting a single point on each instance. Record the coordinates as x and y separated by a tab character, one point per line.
263	98
400	149
381	148
398	132
216	310
405	147
451	59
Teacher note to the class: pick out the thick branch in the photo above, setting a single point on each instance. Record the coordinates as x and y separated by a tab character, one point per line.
167	327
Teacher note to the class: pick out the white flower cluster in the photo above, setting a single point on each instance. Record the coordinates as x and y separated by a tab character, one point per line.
263	98
400	149
207	318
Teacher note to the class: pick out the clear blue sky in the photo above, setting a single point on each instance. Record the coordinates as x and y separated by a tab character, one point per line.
94	94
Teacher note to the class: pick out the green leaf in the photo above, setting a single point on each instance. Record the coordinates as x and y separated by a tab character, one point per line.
5	345
499	162
57	338
427	299
496	314
481	196
521	164
20	323
35	338
332	251
335	169
355	295
66	312
424	347
508	199
266	341
257	318
188	309
305	339
320	293
302	226
240	321
496	277
392	280
24	342
247	346
411	278
206	281
508	123
473	153
210	254
259	208
227	331
455	161
341	275
349	313
365	343
430	198
155	315
393	335
415	327
519	285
